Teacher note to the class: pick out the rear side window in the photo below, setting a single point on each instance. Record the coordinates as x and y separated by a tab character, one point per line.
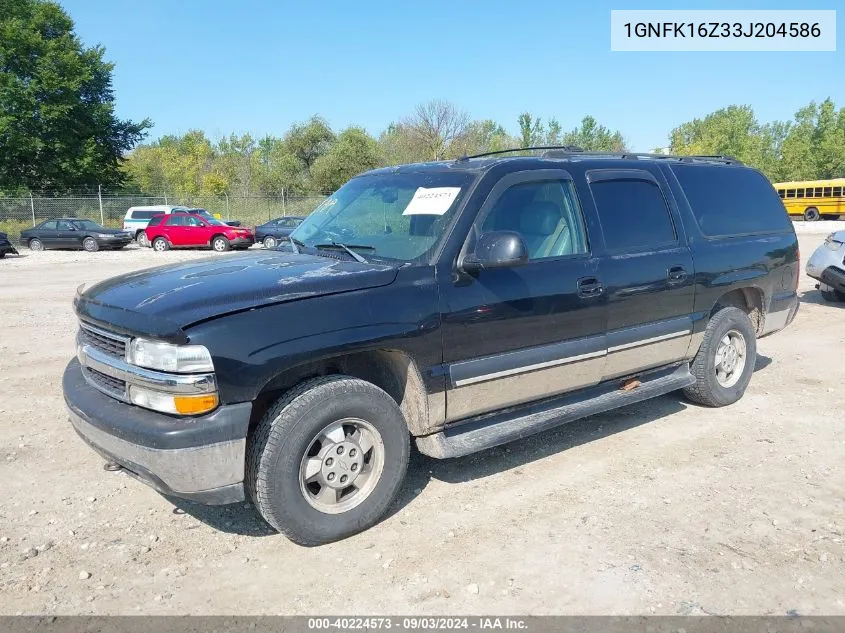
156	220
731	200
144	215
48	226
176	220
633	214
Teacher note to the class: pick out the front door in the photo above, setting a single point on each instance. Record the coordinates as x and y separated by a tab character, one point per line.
68	236
646	268
528	332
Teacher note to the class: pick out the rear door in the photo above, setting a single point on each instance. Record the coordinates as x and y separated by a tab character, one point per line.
48	234
645	267
175	230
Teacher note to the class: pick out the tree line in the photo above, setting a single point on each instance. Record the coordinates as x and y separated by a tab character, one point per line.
59	132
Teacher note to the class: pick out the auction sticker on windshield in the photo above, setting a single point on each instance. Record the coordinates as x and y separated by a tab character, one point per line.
431	201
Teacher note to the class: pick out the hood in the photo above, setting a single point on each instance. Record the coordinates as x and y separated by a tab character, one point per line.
161	301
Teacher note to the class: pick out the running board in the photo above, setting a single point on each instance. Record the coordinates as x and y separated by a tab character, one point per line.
483	432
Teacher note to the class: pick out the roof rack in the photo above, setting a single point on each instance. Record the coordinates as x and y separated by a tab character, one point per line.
715	158
567	148
569	151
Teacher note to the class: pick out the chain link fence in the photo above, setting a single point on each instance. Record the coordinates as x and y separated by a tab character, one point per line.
21	212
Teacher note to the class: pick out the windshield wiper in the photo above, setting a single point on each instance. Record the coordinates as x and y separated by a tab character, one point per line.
349	250
295	244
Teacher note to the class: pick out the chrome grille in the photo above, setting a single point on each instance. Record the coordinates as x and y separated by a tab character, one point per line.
108	342
104	383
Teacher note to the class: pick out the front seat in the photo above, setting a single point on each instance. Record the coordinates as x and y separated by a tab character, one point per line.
540	228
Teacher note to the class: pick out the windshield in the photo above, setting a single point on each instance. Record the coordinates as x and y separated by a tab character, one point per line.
86	225
211	219
397	216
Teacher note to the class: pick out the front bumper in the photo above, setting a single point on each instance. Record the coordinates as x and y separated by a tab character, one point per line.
833	277
7	248
115	241
200	458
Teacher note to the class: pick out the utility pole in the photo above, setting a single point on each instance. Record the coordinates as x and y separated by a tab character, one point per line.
32	207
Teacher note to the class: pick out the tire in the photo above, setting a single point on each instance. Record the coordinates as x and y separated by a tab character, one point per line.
270	242
90	245
833	295
160	245
811	214
709	389
290	431
141	238
220	244
36	245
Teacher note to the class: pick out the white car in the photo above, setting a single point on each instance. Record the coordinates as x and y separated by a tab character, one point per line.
137	219
828	266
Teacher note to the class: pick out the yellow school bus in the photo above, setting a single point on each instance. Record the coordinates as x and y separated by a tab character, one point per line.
813	199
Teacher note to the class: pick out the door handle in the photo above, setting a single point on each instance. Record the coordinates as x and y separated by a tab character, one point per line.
589	287
676	274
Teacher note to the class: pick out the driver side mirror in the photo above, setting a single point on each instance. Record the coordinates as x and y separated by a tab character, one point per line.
497	249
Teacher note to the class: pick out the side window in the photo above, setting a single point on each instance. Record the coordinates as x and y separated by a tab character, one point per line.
837	192
155	221
63	226
790	193
826	192
48	226
143	215
193	221
729	200
781	193
633	213
545	213
799	193
174	220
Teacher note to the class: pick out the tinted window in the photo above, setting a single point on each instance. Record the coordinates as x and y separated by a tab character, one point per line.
780	193
546	214
731	200
826	192
48	226
799	193
144	215
790	193
633	213
175	220
837	191
155	221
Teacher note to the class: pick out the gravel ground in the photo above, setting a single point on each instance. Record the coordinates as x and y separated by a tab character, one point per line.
663	507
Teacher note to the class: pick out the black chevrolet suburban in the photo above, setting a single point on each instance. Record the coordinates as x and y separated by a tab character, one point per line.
460	304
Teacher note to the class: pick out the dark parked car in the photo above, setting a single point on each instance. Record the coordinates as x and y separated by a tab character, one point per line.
461	304
74	233
274	231
6	246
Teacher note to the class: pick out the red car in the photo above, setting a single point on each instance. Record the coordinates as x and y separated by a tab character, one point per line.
184	230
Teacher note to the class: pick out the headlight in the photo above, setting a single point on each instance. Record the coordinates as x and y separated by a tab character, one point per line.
832	244
180	359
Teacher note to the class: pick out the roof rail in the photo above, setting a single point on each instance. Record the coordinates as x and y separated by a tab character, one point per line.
717	158
571	149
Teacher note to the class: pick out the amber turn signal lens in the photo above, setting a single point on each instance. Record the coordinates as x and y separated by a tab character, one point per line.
192	405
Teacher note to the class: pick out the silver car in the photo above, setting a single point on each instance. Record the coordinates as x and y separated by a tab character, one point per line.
828	266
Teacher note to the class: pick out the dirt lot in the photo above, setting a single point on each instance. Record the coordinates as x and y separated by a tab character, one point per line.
663	507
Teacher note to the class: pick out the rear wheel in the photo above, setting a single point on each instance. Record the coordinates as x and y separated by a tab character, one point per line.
269	242
725	360
160	244
220	244
36	245
327	459
141	238
90	245
811	214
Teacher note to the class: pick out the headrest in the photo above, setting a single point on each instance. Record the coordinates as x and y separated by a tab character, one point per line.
539	218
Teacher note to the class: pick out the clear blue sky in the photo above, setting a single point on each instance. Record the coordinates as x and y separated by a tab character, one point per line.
250	66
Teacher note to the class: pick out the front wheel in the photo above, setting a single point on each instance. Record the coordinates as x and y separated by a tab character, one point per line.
832	294
328	459
220	244
725	360
269	242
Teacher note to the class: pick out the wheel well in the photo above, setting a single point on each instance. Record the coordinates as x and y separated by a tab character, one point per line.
391	370
138	232
749	300
215	236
